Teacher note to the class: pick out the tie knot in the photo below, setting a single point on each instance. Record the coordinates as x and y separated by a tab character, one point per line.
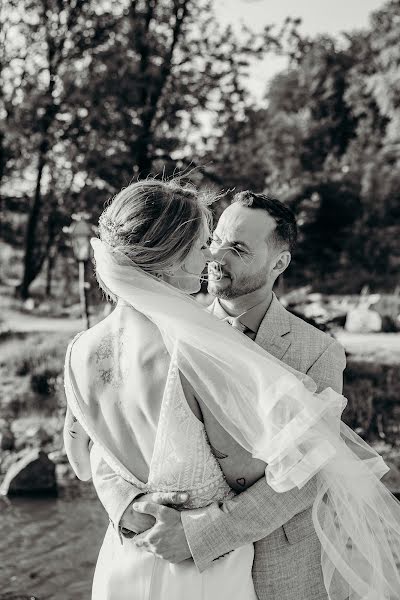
235	323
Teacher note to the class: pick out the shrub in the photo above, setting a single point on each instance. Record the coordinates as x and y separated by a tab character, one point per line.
373	392
37	365
44	381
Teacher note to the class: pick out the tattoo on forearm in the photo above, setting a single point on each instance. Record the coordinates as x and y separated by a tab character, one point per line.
217	453
241	481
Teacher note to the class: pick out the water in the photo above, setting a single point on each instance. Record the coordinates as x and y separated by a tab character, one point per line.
49	547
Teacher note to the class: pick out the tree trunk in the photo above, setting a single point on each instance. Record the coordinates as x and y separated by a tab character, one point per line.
2	167
51	246
145	159
32	267
51	261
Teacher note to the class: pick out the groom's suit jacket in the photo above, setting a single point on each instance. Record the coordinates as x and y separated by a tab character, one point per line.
287	563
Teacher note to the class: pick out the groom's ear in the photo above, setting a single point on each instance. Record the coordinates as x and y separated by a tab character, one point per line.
282	262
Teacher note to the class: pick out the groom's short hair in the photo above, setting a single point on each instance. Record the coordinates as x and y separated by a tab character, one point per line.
286	226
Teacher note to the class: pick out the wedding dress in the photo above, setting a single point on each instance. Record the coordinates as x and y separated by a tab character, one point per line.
181	461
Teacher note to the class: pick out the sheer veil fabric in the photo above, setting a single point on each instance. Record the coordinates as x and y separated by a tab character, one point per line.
275	413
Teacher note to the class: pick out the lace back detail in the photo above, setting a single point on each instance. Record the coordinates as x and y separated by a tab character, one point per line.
182	458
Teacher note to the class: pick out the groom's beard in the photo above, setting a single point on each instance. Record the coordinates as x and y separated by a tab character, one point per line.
226	289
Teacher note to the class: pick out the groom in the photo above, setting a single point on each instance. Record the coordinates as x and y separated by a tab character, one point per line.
251	247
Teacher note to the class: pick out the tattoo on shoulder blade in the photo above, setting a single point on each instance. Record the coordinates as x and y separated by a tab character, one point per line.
105	348
217	453
109	358
241	481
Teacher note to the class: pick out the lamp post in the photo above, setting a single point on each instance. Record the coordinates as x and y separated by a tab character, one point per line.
81	232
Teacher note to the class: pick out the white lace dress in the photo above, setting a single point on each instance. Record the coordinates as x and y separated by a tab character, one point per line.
182	461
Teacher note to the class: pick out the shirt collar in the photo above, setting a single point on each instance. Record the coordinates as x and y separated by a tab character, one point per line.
251	319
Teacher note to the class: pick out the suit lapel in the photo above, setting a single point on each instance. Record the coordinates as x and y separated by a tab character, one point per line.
274	332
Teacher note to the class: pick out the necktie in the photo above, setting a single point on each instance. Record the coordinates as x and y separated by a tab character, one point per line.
235	323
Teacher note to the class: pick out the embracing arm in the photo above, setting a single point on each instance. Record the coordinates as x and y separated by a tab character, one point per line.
77	443
116	494
252	515
258	511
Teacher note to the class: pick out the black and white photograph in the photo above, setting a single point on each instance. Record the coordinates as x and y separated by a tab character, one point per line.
199	300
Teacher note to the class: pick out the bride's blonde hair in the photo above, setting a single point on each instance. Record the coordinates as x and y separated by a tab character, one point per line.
155	224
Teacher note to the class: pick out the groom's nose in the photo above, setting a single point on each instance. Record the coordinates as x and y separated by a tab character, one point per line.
218	254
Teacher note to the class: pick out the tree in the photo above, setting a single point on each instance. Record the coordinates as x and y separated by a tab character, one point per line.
60	35
119	92
13	56
169	69
328	144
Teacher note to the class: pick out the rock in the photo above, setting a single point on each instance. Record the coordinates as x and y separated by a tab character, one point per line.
33	437
58	457
32	474
43	308
29	304
7	439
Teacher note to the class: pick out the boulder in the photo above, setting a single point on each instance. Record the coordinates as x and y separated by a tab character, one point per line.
32	474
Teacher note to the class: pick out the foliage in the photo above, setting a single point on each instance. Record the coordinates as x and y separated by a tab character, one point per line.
328	144
109	92
32	371
94	94
372	391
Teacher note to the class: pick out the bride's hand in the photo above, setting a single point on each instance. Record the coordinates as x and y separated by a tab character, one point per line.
139	522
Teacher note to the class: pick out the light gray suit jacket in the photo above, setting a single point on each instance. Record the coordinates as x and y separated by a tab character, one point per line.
287	564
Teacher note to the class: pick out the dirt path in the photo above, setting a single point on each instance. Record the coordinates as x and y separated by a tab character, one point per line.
21	322
372	346
366	345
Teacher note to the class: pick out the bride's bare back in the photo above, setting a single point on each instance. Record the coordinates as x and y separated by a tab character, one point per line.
124	358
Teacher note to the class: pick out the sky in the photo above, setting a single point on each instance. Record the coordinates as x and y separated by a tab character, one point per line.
318	16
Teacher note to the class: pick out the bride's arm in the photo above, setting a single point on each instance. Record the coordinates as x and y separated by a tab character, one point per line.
241	470
77	446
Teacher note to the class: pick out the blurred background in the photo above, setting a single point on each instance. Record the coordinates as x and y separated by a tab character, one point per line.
298	99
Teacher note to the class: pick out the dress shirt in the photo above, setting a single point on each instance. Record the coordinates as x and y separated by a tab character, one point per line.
251	319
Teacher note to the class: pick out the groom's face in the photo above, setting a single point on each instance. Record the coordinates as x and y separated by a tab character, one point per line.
242	252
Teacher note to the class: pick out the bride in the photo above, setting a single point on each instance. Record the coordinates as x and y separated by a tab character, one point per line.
136	384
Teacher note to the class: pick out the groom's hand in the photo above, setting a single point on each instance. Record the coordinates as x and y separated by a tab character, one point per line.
166	539
138	521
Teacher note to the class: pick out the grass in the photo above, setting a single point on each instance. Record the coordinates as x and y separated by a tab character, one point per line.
373	393
31	373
